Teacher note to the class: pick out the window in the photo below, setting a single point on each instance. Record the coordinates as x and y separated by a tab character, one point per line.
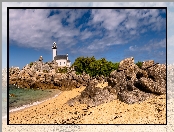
60	63
64	62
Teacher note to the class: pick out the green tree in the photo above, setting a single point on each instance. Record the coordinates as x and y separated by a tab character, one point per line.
94	67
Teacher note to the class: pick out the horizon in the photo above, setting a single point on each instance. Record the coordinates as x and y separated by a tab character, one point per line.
104	33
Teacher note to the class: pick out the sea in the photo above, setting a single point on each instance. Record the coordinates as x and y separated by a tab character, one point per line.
25	97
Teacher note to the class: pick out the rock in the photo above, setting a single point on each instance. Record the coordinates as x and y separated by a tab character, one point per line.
148	85
135	96
129	83
40	58
126	63
12	95
130	79
157	72
94	96
147	64
93	82
45	68
118	80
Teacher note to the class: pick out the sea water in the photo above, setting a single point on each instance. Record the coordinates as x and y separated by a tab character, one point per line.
24	96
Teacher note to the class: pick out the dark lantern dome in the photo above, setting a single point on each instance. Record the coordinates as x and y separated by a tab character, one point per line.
54	46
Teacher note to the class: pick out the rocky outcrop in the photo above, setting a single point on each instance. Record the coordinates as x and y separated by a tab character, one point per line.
94	96
130	83
131	97
148	85
46	76
148	64
135	84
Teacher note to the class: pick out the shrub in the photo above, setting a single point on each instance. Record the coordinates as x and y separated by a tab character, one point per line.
62	70
94	67
31	63
139	64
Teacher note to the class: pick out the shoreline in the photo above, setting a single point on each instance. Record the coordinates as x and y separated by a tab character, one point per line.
18	109
45	107
50	93
56	111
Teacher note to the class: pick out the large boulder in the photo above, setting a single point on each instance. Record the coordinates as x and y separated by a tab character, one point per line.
126	63
157	72
135	96
117	80
131	82
94	96
37	66
147	64
45	68
148	85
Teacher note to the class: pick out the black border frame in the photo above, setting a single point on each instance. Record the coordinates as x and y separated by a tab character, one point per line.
8	8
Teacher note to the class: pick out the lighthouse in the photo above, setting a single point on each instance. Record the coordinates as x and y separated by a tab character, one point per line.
54	47
62	60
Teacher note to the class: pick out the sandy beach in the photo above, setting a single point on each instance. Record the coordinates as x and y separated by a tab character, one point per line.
56	111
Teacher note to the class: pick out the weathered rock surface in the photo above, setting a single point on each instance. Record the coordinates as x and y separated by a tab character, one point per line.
148	85
129	83
46	76
147	64
135	84
94	96
131	97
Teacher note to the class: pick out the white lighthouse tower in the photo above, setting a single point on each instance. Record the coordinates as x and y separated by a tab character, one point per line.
54	47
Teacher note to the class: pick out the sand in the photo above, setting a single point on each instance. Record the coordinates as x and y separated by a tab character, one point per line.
56	111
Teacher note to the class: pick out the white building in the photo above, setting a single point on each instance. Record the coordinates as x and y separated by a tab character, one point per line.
62	60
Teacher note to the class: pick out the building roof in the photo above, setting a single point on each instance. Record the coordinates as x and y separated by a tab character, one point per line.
68	61
59	57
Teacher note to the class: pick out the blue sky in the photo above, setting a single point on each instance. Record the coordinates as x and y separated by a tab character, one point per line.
113	35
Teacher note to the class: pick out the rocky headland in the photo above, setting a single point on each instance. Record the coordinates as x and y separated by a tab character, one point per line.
129	85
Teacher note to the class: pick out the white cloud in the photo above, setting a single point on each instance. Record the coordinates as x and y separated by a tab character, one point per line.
150	46
133	48
120	27
68	39
131	24
33	28
73	15
85	34
109	18
132	32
